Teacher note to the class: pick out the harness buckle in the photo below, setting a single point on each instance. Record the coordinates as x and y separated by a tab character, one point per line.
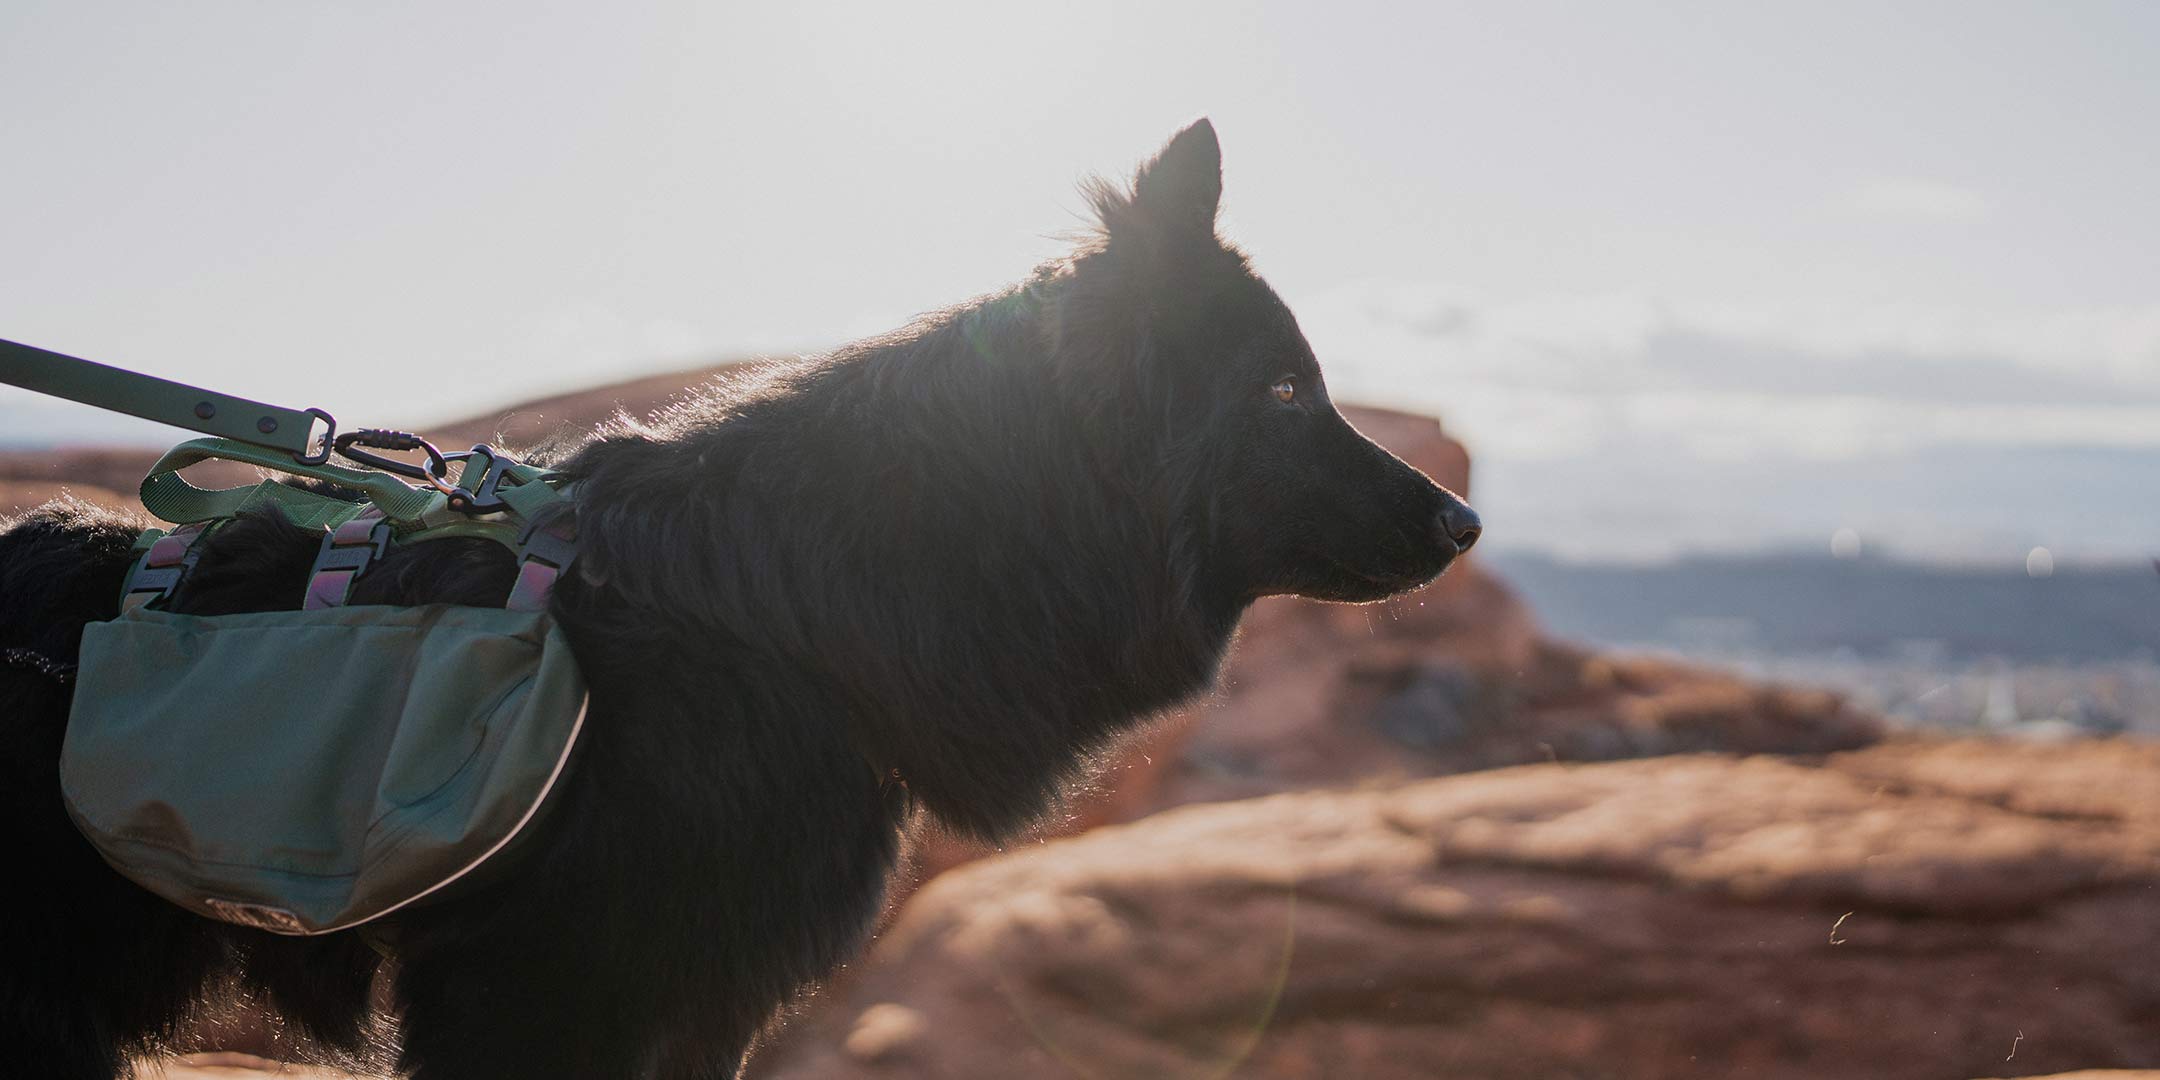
544	552
478	496
157	574
151	583
345	553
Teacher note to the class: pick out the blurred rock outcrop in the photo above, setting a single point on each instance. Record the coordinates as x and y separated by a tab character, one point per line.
1916	910
33	478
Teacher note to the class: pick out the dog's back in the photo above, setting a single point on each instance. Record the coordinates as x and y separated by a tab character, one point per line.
92	962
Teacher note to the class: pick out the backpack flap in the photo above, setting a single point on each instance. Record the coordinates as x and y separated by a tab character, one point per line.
307	771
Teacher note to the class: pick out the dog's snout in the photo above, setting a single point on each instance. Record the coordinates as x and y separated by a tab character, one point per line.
1458	523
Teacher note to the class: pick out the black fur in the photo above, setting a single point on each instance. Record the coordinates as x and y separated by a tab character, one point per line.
939	568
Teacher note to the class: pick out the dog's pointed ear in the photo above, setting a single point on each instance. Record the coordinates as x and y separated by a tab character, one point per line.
1182	187
1172	199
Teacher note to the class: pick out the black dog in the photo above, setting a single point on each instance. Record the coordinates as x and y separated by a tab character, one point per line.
941	568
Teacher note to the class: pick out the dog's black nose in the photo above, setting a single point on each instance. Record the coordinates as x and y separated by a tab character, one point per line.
1459	523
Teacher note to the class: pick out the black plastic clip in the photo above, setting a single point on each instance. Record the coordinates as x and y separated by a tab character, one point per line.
480	497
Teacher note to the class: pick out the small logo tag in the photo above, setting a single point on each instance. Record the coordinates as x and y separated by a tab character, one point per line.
260	916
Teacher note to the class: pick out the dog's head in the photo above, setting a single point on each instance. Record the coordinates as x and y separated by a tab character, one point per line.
1196	380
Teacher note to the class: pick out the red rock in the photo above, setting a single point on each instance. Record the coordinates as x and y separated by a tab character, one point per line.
1696	915
2102	1074
82	468
232	1066
18	496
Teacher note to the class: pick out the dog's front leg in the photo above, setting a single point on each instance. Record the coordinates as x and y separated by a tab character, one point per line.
711	855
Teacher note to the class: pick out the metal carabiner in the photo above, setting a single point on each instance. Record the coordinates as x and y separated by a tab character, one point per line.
434	473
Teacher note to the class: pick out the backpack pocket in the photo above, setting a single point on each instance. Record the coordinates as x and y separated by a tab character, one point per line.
306	771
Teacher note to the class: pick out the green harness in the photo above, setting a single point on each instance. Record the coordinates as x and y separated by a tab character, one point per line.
308	771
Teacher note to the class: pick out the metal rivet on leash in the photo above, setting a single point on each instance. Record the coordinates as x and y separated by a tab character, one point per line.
204	410
267	425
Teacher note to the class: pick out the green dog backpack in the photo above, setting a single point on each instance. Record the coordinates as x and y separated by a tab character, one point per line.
307	771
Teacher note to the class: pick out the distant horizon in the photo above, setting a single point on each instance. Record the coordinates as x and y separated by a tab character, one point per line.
1797	552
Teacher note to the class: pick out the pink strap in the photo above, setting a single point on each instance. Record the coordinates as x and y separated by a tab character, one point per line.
543	554
535	581
346	551
327	589
159	571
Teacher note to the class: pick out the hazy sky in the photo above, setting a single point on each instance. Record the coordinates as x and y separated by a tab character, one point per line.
1646	259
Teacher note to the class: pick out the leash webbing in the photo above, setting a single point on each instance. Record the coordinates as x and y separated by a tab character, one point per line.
166	401
168	495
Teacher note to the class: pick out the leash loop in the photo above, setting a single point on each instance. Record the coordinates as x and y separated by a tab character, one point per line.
321	454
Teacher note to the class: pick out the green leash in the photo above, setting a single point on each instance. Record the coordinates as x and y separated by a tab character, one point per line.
493	497
169	402
274	437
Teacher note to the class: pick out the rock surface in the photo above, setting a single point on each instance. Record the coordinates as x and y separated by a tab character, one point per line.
228	1066
1914	910
2102	1074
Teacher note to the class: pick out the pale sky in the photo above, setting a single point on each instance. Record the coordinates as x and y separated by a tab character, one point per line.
1647	259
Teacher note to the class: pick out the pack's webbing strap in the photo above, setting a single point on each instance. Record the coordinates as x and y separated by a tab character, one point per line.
544	552
358	533
162	400
346	552
529	494
491	482
166	494
165	558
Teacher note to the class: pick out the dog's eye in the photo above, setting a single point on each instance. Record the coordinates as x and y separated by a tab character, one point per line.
1285	389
